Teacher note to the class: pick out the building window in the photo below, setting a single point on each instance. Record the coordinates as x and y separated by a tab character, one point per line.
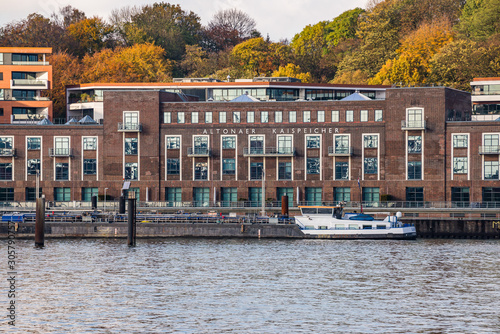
264	116
30	194
88	193
173	196
6	194
342	194
236	117
278	116
167	117
306	116
180	117
229	196
131	171
379	116
173	143
460	165
62	171
89	166
460	196
313	195
349	116
370	141
371	194
61	145
5	145
491	195
460	141
250	116
256	144
255	196
335	116
201	196
341	171
135	191
321	116
228	166
292	116
491	140
284	171
364	115
313	165
222	117
62	194
285	144
228	143
201	171
194	117
256	170
6	171
173	166
1	98
32	166
34	143
414	170
208	117
200	145
313	142
371	166
89	143
131	146
415	196
130	119
415	117
414	144
491	170
280	192
341	144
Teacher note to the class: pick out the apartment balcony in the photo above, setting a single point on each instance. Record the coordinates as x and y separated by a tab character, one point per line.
199	152
28	98
129	127
413	125
39	63
26	118
7	152
29	83
268	152
340	151
489	149
60	152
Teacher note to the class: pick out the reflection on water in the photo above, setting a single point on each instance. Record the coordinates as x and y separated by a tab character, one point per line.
258	286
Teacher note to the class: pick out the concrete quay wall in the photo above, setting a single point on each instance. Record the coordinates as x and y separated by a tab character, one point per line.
426	228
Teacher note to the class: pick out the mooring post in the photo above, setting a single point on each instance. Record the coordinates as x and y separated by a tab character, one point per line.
131	222
284	206
40	222
121	207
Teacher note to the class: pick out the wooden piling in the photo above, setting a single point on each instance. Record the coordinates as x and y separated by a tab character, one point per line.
40	222
132	233
284	206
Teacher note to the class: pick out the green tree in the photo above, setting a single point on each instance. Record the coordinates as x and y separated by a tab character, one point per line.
309	46
343	27
480	19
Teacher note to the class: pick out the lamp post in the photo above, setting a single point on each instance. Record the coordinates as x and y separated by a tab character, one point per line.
105	199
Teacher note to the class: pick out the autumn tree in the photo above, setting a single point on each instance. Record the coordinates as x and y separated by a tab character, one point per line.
293	71
309	46
66	70
92	34
138	63
228	28
256	57
164	25
412	63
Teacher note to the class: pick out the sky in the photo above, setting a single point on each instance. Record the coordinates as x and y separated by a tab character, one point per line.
278	18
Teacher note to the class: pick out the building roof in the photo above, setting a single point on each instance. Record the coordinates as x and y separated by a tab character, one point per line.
357	96
24	50
245	98
87	120
45	121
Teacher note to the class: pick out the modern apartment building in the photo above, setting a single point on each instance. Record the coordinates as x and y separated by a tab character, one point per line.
25	77
486	99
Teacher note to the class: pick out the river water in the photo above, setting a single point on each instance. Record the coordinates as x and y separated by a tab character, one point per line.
255	286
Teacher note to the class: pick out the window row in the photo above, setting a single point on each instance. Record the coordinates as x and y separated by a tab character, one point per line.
306	116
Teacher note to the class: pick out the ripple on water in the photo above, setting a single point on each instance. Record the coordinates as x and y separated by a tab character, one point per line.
256	286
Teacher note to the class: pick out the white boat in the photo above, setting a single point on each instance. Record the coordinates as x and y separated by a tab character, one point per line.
331	222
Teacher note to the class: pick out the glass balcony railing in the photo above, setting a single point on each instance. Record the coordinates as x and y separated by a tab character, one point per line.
489	149
199	151
60	152
39	63
340	151
29	82
269	151
129	127
413	125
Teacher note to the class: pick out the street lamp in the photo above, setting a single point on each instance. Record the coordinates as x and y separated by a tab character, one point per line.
105	199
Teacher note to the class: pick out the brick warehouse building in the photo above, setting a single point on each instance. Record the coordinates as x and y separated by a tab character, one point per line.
415	145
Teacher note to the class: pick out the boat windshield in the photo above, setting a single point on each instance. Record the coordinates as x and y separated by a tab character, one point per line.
318	211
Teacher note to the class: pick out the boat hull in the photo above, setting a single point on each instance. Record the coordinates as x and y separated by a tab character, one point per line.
403	233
